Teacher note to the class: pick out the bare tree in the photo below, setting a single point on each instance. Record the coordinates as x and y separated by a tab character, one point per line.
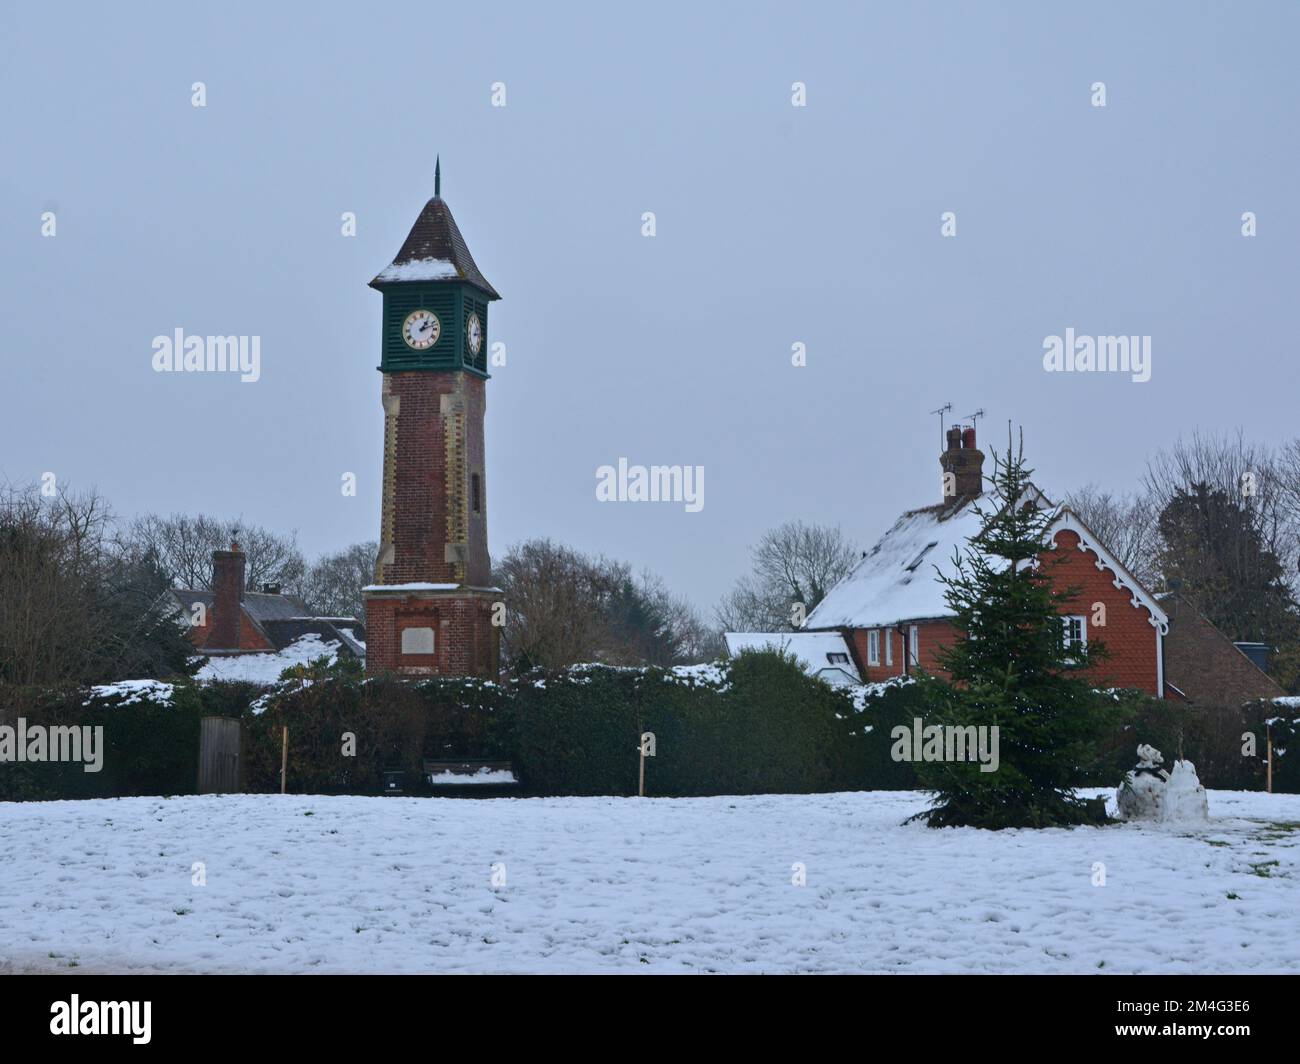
564	607
795	563
332	586
72	607
1126	524
183	546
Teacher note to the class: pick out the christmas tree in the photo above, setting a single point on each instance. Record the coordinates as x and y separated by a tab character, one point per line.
1016	671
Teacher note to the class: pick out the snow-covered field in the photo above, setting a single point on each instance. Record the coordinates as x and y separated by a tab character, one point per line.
318	884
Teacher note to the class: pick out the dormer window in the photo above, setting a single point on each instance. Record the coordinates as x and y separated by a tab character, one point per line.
838	659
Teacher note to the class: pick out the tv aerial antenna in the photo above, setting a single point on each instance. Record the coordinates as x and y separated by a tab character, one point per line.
946	408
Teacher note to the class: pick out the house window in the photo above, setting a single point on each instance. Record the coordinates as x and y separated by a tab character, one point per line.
838	659
417	640
475	493
889	647
873	647
916	562
1075	632
913	645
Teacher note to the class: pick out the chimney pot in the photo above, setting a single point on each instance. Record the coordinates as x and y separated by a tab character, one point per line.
965	462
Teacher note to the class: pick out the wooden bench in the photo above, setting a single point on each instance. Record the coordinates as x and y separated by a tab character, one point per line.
465	776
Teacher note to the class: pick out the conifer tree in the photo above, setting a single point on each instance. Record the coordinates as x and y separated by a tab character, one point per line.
1016	671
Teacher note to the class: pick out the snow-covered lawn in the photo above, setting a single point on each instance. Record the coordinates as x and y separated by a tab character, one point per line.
318	884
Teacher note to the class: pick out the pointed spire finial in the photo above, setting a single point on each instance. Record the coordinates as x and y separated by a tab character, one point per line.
437	176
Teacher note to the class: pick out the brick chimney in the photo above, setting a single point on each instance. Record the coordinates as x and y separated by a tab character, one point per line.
965	462
227	594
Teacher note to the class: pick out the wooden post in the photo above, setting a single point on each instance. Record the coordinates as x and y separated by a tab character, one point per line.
640	790
1268	728
284	757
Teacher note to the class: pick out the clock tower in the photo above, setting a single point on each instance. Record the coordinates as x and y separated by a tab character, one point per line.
429	610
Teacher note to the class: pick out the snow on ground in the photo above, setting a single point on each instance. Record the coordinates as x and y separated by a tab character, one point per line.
337	884
266	668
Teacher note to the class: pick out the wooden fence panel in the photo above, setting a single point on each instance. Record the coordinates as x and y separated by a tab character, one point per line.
218	755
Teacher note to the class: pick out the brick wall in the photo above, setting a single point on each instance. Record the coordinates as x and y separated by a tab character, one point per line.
226	614
466	643
249	637
1133	643
433	444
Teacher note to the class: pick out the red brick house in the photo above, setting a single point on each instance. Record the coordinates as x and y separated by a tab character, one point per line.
230	620
891	611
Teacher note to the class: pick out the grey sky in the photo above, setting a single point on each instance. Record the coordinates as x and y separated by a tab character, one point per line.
775	225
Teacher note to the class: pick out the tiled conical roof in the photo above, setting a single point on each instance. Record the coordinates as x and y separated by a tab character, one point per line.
434	251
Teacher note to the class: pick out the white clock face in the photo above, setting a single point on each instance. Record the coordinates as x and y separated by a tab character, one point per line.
474	334
421	329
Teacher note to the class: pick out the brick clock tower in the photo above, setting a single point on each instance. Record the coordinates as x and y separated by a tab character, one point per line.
429	610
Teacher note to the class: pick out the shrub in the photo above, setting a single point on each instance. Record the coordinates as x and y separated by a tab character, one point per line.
395	725
150	741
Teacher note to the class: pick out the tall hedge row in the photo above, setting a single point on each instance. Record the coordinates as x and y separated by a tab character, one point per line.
756	724
150	746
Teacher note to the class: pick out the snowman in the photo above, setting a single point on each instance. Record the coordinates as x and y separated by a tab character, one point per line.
1150	793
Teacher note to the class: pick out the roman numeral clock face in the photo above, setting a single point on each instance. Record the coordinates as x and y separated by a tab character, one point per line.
474	334
421	329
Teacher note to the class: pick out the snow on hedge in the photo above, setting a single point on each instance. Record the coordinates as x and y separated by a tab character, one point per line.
131	692
351	884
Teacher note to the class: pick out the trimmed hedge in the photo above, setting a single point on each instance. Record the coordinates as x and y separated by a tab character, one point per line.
755	724
394	725
149	746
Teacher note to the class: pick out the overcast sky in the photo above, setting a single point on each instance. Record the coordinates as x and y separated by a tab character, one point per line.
776	225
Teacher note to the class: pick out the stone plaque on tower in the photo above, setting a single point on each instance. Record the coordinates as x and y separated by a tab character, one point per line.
430	608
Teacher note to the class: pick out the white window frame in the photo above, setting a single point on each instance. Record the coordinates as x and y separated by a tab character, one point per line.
889	648
873	646
913	645
1082	641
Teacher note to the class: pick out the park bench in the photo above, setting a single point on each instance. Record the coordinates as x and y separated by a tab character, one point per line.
470	775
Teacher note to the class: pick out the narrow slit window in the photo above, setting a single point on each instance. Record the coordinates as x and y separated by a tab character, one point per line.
475	493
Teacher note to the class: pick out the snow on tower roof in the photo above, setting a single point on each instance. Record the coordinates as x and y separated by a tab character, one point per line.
434	250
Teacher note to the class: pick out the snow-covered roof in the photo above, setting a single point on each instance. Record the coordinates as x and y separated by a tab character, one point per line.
419	270
896	579
899	578
434	250
813	649
266	668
